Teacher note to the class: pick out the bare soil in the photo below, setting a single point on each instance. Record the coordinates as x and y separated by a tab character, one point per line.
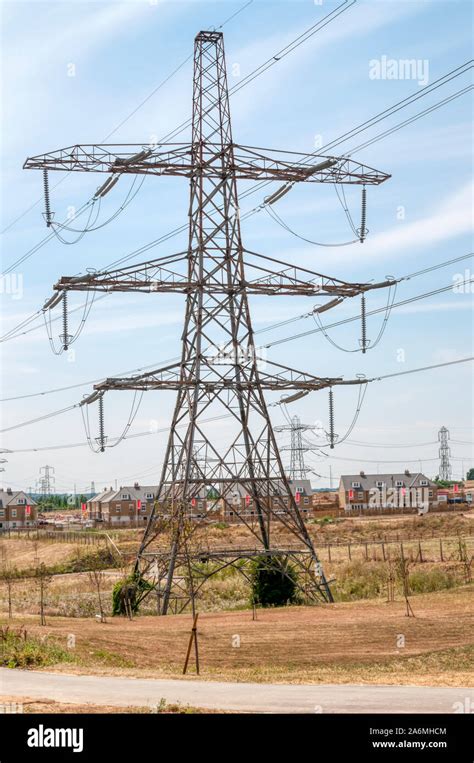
364	641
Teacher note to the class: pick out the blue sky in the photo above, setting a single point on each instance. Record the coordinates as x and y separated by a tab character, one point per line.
119	52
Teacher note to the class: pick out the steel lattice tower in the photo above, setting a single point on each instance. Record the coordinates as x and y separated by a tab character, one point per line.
445	470
297	469
220	371
46	480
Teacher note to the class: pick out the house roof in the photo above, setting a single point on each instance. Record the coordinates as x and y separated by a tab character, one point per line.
135	493
7	499
369	481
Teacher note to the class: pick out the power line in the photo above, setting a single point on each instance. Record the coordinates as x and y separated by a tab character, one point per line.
128	117
224	416
267	328
342	322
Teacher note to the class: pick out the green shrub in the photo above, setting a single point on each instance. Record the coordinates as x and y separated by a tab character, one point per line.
131	591
274	582
426	581
18	650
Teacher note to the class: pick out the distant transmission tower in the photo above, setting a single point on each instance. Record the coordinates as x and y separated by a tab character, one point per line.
46	481
220	372
445	470
297	469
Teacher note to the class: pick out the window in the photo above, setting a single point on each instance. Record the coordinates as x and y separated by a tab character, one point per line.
357	506
398	483
355	484
149	496
305	501
125	496
131	506
21	501
360	494
300	490
231	513
117	508
430	494
2	512
379	484
13	512
199	504
424	483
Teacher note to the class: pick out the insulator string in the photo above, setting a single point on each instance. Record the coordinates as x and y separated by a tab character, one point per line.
65	337
331	418
363	321
47	204
363	217
101	438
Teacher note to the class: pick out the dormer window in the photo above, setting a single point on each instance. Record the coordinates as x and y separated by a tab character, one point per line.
149	496
125	496
398	483
379	484
424	483
21	500
355	484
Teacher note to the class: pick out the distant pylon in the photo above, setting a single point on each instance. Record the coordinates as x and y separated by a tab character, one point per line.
297	469
445	470
46	480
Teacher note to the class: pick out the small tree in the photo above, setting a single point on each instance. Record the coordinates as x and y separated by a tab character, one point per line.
8	574
402	569
97	579
274	582
43	579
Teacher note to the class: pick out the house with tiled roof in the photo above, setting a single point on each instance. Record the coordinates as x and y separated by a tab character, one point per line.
358	492
17	510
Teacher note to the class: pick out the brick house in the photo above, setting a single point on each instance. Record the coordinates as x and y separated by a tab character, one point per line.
120	507
239	504
130	505
386	491
17	510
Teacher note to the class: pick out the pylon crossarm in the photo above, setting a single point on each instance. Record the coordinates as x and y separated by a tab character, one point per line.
210	160
162	159
292	166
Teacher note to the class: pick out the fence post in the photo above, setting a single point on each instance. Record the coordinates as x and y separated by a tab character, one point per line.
441	549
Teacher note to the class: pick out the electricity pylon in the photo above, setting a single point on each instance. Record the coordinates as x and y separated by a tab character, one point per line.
444	454
46	481
297	469
220	370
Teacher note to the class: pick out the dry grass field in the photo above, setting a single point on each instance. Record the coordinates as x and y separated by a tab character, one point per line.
353	642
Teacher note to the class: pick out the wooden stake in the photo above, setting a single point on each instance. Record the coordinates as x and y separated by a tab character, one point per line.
193	637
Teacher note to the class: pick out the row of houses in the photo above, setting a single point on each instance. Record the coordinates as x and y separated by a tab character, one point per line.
356	493
132	505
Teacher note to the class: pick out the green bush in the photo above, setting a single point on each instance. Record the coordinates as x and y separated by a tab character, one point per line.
426	581
132	590
18	650
274	582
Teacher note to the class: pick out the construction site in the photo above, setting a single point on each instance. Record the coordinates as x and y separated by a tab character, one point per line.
249	538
